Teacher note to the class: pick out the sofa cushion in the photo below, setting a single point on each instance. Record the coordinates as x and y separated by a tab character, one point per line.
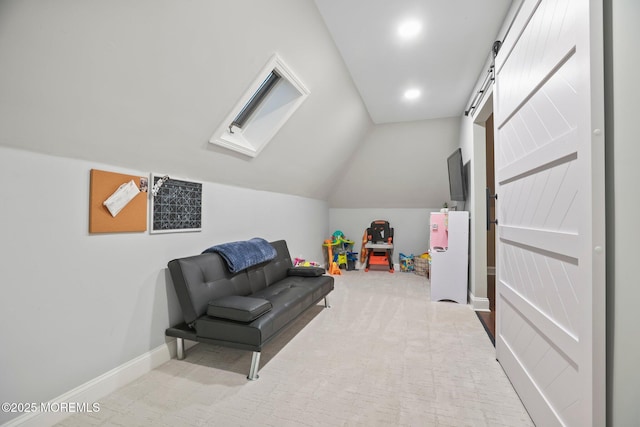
290	297
306	271
238	308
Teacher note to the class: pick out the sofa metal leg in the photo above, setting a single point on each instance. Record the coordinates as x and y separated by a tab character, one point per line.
326	303
255	365
180	348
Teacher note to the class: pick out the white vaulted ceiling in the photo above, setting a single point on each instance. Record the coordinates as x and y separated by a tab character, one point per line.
143	85
443	61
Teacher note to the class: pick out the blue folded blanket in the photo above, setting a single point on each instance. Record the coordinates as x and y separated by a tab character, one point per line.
244	254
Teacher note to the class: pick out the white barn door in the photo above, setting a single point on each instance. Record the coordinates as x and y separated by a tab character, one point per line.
549	118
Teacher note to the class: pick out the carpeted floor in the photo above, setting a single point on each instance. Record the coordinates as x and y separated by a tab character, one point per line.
382	355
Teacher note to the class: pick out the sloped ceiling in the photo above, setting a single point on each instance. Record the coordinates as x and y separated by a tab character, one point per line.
143	85
443	60
400	165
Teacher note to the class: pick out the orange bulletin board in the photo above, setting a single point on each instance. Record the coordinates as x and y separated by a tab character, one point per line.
133	217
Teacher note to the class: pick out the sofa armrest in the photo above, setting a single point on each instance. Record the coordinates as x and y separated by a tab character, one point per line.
238	308
305	271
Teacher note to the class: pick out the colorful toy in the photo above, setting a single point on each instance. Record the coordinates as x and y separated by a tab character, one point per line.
406	262
299	262
338	252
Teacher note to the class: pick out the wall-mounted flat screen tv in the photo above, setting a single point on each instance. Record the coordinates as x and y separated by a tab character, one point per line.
457	188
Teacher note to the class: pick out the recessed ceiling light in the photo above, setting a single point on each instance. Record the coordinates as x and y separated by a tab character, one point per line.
409	29
412	94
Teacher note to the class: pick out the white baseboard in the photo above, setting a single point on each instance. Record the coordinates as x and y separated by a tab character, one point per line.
479	303
92	391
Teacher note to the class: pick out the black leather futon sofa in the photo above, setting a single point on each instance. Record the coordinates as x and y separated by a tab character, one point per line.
243	309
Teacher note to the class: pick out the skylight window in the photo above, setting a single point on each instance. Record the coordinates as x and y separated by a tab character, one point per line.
270	101
255	101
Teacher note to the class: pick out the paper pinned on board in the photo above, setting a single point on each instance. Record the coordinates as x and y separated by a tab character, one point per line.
121	197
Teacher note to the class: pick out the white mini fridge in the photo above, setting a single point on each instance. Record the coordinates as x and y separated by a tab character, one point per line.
449	243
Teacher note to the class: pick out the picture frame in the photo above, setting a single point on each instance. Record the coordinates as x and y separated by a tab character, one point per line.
176	205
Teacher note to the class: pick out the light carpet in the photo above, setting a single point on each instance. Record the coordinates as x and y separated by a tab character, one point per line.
382	355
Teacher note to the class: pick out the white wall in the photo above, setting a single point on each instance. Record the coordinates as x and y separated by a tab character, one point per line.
411	227
623	232
75	305
398	165
144	84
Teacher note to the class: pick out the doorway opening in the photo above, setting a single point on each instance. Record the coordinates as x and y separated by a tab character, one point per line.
488	318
